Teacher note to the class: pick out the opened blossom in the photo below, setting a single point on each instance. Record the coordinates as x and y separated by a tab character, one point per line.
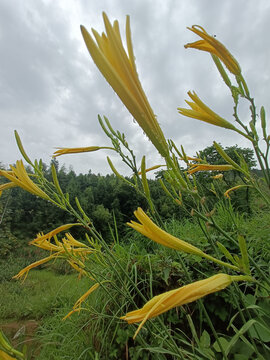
58	248
149	229
198	110
19	177
213	46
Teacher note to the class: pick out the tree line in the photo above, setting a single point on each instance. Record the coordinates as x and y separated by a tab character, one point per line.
107	199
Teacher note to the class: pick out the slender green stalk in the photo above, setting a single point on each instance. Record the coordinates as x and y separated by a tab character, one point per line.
200	302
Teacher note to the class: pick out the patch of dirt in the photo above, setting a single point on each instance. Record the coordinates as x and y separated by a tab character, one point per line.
22	333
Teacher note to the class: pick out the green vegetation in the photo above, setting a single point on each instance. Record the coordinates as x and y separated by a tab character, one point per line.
188	279
48	294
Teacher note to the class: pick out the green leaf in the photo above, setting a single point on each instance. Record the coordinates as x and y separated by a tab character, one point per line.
166	273
205	339
240	332
224	343
259	331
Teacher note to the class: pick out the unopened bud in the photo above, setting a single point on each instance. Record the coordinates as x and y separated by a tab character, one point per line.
203	200
211	213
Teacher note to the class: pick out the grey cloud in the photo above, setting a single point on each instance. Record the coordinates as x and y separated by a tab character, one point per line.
52	90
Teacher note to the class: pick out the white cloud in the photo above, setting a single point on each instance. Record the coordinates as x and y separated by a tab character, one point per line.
52	91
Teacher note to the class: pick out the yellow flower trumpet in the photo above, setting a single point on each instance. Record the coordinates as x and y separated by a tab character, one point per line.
213	46
226	194
6	186
208	167
19	177
57	249
119	69
147	228
42	237
64	151
178	297
202	112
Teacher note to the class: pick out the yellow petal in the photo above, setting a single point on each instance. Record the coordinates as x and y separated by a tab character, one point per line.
85	296
178	297
119	69
202	112
147	228
212	45
207	167
42	237
20	178
64	151
24	272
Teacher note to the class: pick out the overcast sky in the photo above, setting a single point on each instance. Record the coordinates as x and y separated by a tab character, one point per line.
52	92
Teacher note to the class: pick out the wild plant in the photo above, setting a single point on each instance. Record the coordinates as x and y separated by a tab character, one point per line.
112	270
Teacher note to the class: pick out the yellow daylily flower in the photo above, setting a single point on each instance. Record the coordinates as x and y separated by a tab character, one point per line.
85	296
67	244
57	249
40	237
215	47
78	303
178	297
119	69
5	356
24	272
207	167
6	186
226	194
19	177
151	168
149	229
218	177
202	112
64	151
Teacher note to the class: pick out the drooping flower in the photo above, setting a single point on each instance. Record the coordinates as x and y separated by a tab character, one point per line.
64	151
178	297
215	47
202	112
19	177
226	194
119	69
207	167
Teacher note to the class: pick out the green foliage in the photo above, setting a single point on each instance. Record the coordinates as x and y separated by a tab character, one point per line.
41	295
